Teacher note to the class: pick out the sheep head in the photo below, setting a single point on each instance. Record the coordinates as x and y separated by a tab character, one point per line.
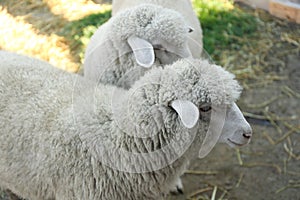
189	95
152	32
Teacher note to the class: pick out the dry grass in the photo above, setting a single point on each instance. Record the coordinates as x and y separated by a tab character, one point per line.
22	37
74	10
253	61
32	27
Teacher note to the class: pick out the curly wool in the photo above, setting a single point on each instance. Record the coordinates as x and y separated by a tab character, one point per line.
198	80
184	7
150	22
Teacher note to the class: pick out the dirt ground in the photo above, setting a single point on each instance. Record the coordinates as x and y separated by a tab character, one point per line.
269	167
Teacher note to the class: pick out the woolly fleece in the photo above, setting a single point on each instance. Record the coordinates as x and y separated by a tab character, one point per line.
53	124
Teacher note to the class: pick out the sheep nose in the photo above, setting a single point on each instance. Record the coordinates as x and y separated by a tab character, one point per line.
247	135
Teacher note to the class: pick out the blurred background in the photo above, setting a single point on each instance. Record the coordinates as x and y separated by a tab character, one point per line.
263	51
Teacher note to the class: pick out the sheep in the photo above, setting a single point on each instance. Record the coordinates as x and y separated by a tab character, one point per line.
184	7
65	137
126	46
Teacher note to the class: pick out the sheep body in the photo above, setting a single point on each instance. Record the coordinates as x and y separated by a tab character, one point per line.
109	57
54	125
182	6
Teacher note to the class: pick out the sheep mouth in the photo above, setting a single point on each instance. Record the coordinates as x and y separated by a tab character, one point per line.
236	144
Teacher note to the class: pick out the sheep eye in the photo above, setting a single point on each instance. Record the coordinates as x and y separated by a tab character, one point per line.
159	47
190	30
205	108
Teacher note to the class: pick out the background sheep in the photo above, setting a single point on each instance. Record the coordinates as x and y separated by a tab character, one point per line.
56	134
151	32
184	7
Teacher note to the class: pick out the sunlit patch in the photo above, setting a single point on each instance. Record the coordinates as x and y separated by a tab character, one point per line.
33	27
19	36
217	5
73	10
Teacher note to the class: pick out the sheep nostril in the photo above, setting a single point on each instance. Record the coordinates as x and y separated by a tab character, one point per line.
247	135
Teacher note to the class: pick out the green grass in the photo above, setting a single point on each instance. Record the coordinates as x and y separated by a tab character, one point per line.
224	26
79	32
3	196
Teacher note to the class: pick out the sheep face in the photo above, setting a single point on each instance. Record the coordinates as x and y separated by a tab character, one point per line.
236	131
152	32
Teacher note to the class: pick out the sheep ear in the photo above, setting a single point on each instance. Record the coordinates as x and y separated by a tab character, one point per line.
187	111
143	51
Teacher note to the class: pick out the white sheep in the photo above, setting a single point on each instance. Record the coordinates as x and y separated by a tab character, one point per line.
65	137
122	49
184	7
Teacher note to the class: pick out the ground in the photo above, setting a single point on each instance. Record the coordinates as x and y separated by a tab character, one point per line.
269	167
267	64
